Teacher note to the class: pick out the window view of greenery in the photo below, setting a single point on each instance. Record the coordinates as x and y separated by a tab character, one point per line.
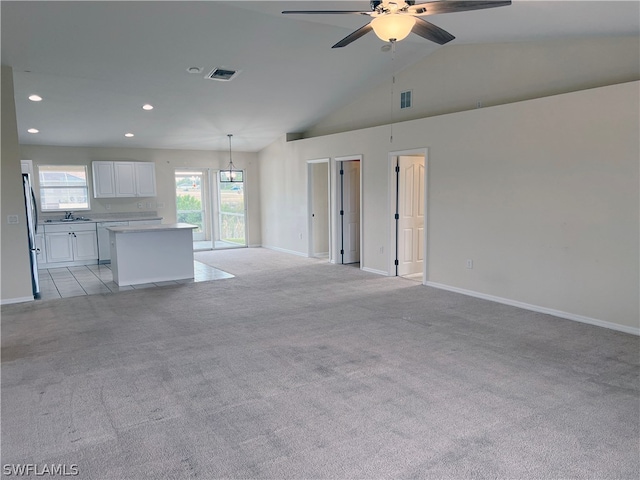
190	207
232	212
63	187
189	199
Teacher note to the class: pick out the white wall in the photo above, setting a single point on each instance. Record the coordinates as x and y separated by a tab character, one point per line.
166	163
541	194
16	276
456	77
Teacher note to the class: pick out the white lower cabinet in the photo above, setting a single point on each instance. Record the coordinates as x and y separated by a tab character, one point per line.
85	245
75	244
59	247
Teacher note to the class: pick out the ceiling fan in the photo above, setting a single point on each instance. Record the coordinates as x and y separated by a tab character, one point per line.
393	20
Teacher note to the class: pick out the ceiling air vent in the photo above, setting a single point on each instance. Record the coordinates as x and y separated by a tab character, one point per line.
222	74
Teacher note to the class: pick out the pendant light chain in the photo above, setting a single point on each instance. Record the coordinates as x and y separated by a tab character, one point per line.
231	165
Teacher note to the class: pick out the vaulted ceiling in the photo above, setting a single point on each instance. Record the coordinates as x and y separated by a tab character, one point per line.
95	64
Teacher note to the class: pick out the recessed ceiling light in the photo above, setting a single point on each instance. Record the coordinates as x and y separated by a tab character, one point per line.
147	106
194	69
128	135
33	130
35	98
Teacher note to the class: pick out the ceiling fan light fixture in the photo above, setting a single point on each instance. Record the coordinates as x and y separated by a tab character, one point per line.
393	27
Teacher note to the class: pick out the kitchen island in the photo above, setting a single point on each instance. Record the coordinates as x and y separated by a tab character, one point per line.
151	253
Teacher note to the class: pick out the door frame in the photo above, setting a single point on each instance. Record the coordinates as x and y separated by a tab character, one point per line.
392	209
334	214
310	196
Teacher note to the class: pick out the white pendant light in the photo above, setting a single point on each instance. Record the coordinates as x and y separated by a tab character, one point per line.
393	27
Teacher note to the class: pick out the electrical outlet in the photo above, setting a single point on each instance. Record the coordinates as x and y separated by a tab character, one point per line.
108	206
12	219
469	263
139	204
382	249
159	205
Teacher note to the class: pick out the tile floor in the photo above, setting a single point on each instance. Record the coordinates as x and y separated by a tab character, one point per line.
98	279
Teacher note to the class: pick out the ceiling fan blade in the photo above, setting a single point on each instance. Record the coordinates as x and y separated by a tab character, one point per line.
325	12
451	6
431	32
354	36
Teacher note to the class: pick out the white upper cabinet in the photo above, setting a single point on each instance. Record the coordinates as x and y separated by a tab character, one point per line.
27	166
145	179
124	179
104	183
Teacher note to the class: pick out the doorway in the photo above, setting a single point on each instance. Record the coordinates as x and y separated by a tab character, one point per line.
319	205
409	180
348	210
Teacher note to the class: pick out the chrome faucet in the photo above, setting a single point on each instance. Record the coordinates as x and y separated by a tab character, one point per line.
68	215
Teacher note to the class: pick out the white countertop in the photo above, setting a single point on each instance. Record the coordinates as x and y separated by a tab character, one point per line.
98	219
153	228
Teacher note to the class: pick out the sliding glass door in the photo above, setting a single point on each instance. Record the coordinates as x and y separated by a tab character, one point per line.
217	207
231	214
190	202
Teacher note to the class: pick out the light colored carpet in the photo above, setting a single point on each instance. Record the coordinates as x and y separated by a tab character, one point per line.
297	368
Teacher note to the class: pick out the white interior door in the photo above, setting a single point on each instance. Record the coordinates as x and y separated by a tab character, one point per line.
411	192
350	211
319	208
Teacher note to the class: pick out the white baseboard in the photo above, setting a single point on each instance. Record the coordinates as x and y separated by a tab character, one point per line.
539	309
284	250
8	301
377	272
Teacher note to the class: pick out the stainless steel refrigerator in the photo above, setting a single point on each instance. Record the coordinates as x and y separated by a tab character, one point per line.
32	229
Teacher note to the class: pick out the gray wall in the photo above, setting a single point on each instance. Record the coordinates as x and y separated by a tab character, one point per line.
16	277
541	194
456	77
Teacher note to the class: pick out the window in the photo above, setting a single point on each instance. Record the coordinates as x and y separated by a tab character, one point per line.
63	188
405	99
